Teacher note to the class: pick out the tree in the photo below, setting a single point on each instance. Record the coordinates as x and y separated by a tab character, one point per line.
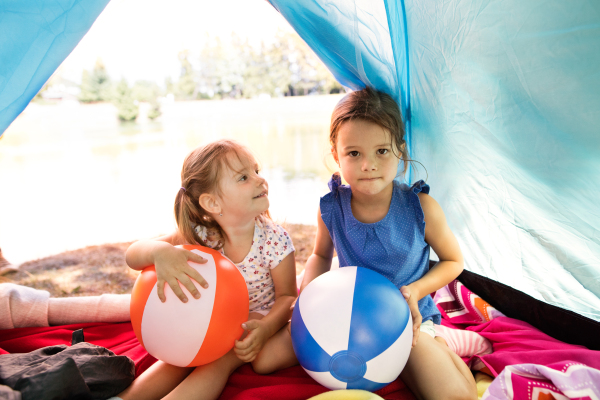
148	92
186	86
95	86
233	69
126	105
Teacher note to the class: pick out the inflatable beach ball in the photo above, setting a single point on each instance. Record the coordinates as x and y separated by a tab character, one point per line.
352	329
199	331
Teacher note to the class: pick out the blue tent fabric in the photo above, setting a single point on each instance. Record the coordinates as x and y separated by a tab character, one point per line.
501	98
504	106
35	38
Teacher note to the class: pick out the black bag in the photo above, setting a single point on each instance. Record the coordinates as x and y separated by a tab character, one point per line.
81	371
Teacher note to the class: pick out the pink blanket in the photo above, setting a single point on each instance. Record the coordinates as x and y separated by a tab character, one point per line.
539	382
528	363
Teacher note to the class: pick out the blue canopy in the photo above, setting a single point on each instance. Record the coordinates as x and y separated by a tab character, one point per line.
502	105
501	100
35	38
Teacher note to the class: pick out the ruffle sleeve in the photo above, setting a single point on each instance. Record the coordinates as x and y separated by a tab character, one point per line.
278	245
326	203
420	186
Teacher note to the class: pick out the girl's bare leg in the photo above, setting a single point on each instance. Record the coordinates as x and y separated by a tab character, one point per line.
434	372
156	382
207	381
277	353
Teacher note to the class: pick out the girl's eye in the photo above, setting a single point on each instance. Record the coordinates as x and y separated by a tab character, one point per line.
257	171
382	151
243	178
353	154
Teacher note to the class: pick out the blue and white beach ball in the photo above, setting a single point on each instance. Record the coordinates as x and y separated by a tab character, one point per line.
352	329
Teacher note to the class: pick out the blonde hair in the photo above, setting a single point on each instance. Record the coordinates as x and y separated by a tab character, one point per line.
200	174
374	106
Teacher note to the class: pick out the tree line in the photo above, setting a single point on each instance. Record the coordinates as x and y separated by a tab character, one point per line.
221	69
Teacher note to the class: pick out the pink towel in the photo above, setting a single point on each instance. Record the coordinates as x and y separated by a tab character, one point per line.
535	382
517	342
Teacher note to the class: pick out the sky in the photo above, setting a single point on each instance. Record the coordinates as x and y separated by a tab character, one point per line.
140	39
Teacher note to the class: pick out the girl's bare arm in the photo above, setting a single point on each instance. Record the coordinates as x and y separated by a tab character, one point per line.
171	264
284	279
320	260
441	239
261	330
141	253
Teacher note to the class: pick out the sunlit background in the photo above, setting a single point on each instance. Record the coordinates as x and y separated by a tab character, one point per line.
96	157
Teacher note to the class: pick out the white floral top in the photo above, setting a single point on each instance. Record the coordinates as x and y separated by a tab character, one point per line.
270	245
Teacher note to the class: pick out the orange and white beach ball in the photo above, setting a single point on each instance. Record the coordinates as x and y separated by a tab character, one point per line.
201	330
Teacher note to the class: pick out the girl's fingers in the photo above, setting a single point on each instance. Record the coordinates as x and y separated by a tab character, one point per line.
160	289
189	285
241	345
174	284
416	337
195	275
250	325
243	351
247	343
195	257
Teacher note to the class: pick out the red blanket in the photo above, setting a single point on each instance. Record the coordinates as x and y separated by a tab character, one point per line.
289	384
513	341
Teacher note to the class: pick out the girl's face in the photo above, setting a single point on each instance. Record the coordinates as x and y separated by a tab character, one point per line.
364	154
243	192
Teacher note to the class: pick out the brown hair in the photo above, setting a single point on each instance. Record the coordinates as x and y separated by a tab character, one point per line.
200	174
374	106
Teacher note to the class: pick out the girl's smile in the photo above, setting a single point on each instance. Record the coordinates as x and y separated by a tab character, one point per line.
263	194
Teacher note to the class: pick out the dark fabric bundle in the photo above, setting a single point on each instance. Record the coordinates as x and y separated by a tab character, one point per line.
81	371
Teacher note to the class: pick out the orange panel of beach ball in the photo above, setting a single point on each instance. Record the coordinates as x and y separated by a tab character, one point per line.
201	330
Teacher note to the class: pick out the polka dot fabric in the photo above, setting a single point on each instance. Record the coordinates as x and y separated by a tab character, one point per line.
270	245
395	246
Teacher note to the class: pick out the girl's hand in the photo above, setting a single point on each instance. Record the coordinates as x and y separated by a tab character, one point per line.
172	267
294	303
412	299
247	349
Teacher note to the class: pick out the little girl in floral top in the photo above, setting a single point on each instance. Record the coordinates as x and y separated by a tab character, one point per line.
270	245
223	203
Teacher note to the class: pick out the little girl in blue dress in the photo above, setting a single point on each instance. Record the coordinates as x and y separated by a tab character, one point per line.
378	223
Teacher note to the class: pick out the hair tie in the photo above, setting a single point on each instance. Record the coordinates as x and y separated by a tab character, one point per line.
183	189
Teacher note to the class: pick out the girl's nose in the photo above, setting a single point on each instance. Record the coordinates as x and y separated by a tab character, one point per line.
260	180
369	164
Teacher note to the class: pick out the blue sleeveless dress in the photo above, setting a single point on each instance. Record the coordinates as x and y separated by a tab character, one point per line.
395	246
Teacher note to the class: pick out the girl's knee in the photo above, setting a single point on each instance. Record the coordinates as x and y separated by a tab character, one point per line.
262	366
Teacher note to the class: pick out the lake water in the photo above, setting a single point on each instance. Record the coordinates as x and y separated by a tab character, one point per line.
71	175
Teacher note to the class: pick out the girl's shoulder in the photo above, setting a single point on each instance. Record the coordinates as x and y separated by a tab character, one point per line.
273	241
337	193
412	195
271	228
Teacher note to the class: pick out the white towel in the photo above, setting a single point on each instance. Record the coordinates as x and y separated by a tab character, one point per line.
22	306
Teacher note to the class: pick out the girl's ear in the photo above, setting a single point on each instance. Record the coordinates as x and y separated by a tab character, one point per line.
335	156
209	203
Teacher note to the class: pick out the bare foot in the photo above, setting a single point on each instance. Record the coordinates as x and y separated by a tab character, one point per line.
5	266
